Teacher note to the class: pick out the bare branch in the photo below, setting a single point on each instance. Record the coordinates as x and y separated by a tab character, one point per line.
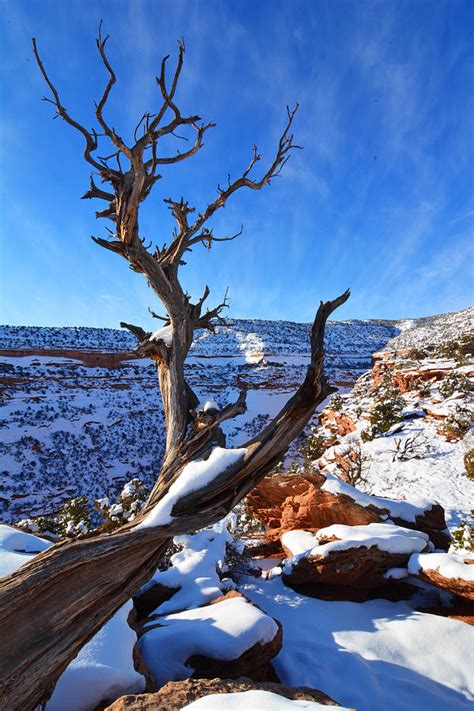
285	145
96	192
91	140
116	140
198	144
214	418
161	318
139	333
208	320
206	237
113	246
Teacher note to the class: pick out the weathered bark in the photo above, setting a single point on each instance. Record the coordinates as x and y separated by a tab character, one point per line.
57	602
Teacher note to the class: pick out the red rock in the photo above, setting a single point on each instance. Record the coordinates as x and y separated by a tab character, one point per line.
457	586
90	359
361	568
336	422
178	694
285	502
360	561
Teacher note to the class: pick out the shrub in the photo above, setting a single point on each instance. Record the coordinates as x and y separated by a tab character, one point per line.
388	406
457	424
354	468
416	354
367	435
415	447
314	447
458	348
336	403
452	383
130	502
243	523
469	463
422	386
74	518
463	536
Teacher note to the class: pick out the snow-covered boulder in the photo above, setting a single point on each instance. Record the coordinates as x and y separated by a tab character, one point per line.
350	556
178	694
449	571
229	638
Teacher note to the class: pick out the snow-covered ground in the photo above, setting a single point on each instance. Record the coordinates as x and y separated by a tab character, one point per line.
372	655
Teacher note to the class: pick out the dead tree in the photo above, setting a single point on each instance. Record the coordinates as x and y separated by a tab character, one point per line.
54	604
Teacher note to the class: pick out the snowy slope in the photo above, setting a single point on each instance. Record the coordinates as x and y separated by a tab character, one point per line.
79	421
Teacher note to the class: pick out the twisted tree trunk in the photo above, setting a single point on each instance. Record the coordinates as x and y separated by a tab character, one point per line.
52	606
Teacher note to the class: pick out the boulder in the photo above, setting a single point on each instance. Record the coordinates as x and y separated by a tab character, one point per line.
314	500
284	502
448	571
178	694
228	638
350	556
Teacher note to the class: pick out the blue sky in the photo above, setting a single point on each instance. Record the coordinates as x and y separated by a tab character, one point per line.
381	199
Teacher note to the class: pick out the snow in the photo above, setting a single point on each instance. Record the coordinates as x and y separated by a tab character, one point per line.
298	541
396	573
252	345
109	419
224	630
384	536
164	334
193	570
207	405
373	655
409	412
103	669
255	700
438	474
17	548
398	509
449	565
194	476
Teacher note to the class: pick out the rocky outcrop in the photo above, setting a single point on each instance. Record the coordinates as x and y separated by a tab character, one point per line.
336	422
288	502
178	694
409	374
89	359
254	663
285	502
361	568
